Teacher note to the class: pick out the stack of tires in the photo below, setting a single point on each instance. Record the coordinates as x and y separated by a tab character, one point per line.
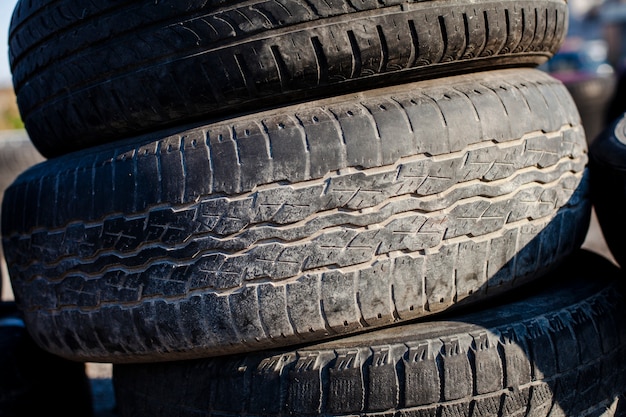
284	207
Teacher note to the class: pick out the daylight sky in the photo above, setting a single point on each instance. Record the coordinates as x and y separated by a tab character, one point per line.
6	9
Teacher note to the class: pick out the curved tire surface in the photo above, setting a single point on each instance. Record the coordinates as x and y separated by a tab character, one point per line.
284	227
86	74
555	349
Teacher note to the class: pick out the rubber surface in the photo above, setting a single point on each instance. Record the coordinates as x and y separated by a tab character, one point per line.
607	166
87	73
323	219
556	349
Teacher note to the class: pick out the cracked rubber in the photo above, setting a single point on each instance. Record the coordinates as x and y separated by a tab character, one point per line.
87	73
322	219
607	165
555	349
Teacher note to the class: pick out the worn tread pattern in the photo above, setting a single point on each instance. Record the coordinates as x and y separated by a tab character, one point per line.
547	353
235	268
86	74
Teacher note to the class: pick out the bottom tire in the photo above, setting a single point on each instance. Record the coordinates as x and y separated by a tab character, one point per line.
560	351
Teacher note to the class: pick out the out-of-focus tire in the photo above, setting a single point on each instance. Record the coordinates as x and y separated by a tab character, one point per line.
86	74
321	219
607	167
555	349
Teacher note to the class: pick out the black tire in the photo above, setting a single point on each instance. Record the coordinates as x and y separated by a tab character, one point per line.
607	166
592	98
17	153
558	350
85	74
34	382
213	241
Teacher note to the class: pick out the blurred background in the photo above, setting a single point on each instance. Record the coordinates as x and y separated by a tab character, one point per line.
9	116
592	59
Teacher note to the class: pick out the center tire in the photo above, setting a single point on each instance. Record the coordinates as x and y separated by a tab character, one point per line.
283	227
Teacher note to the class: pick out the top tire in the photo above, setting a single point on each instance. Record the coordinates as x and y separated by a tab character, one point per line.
87	74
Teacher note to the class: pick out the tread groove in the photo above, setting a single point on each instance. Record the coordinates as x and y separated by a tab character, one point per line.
320	59
245	40
283	72
384	49
414	44
356	55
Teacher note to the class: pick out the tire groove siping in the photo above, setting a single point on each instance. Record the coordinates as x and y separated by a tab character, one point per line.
425	203
508	31
520	46
245	196
311	226
380	160
500	334
486	38
219	15
54	36
112	11
123	307
169	58
343	133
391	255
261	276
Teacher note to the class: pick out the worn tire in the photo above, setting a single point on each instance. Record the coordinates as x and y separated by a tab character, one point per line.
607	166
322	219
85	74
559	349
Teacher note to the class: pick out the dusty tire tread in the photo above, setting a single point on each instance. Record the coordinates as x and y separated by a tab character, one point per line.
561	359
248	250
336	55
